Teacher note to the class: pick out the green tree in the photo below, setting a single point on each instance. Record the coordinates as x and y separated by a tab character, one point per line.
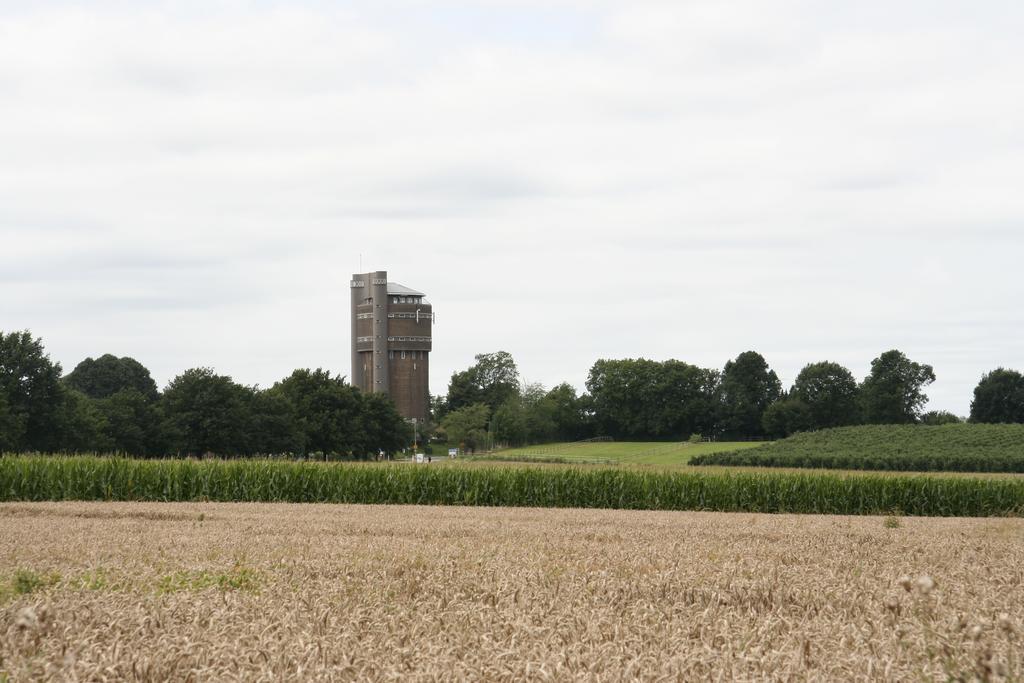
81	426
999	397
462	391
684	400
382	427
133	422
528	417
940	417
787	416
32	393
327	411
274	428
645	399
467	427
508	424
438	408
492	380
12	427
108	374
207	413
748	387
538	414
565	410
620	396
892	393
830	392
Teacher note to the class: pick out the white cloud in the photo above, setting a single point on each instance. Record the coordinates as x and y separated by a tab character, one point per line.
193	183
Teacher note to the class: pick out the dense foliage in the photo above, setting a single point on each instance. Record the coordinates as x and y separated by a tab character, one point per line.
999	397
787	416
639	398
921	448
111	404
93	478
33	402
830	393
748	387
486	404
105	376
492	380
467	427
892	393
940	417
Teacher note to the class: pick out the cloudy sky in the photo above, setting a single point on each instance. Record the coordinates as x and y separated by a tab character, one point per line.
193	183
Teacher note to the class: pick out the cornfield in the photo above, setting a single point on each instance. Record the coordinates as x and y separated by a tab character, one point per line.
29	478
269	592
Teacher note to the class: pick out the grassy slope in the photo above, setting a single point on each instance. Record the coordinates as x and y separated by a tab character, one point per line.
969	447
625	452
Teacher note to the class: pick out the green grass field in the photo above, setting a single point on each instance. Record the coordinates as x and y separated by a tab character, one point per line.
617	452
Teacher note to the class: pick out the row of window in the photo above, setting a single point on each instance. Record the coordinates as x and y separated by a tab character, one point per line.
363	340
411	339
412	355
410	316
407	299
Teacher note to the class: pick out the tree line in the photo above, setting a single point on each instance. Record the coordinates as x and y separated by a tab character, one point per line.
111	404
640	399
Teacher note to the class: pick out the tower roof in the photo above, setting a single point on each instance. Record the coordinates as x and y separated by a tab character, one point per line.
402	290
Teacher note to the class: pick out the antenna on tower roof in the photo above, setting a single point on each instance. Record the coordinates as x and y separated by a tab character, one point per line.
360	262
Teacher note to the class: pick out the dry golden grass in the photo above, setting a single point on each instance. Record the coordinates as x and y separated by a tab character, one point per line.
94	591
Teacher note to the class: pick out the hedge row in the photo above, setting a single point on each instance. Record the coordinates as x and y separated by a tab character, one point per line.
901	448
911	462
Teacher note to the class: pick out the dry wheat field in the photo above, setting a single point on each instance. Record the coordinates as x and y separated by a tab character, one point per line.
266	592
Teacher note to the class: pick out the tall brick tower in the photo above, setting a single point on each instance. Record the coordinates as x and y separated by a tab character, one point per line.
391	342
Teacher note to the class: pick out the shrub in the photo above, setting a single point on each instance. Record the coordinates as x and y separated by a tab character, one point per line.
906	448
